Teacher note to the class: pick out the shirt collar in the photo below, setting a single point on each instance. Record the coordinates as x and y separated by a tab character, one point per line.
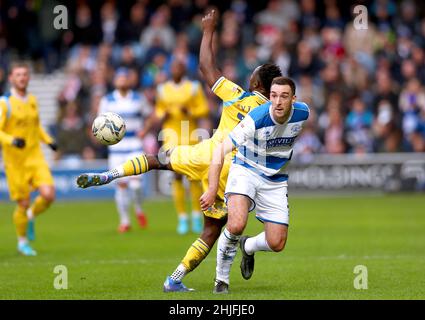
260	95
15	94
118	95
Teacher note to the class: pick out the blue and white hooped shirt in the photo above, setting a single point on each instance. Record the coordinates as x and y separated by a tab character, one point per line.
264	145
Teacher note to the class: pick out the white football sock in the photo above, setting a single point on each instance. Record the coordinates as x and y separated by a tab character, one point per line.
136	196
30	214
196	214
226	252
115	173
179	273
22	240
257	243
122	199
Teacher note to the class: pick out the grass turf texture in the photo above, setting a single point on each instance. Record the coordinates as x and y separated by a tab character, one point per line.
328	237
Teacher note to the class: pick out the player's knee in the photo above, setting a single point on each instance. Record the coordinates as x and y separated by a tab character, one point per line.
277	244
24	204
49	195
235	227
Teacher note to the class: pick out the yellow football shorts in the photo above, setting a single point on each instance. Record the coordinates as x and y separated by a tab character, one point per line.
194	161
23	180
173	136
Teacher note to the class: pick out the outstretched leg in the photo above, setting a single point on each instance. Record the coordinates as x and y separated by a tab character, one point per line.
196	253
135	166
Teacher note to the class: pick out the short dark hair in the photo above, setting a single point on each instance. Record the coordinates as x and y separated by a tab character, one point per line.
267	73
282	81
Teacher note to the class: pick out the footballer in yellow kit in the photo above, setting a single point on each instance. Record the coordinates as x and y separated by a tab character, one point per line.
194	161
25	166
180	103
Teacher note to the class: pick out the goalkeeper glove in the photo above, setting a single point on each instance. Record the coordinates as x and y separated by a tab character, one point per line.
18	143
53	146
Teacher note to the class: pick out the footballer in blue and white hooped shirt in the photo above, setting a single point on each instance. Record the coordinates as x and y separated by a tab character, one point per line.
265	148
135	110
258	177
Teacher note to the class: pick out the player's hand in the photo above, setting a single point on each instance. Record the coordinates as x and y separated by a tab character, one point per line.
209	21
141	134
18	143
207	199
185	111
53	146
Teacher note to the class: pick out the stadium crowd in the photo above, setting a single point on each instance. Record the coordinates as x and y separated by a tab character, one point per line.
365	88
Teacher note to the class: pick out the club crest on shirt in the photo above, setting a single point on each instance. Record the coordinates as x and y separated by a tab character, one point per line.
296	129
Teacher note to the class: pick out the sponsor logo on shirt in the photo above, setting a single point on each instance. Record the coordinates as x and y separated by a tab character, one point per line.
278	142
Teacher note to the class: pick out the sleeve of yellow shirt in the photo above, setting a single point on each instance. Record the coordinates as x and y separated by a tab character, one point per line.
227	90
45	137
160	107
198	105
4	137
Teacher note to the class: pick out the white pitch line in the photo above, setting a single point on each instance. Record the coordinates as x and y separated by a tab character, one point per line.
169	260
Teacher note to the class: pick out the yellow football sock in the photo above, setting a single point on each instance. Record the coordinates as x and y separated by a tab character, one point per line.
196	253
20	220
40	205
178	196
135	166
196	193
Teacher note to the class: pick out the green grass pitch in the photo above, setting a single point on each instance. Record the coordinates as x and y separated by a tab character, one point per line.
328	237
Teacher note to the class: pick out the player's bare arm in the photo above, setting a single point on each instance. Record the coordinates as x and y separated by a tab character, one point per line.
149	124
207	63
208	198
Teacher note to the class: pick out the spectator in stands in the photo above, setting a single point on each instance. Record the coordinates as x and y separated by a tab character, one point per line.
359	123
334	134
387	134
181	52
155	72
304	61
310	92
248	62
130	28
71	137
159	32
308	142
109	22
311	42
85	29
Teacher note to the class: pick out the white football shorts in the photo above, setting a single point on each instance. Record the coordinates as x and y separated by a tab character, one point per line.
270	199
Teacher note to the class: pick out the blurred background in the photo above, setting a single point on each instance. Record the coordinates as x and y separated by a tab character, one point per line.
365	88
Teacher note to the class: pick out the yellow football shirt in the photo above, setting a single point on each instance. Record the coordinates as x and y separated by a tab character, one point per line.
236	104
194	161
19	118
180	106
